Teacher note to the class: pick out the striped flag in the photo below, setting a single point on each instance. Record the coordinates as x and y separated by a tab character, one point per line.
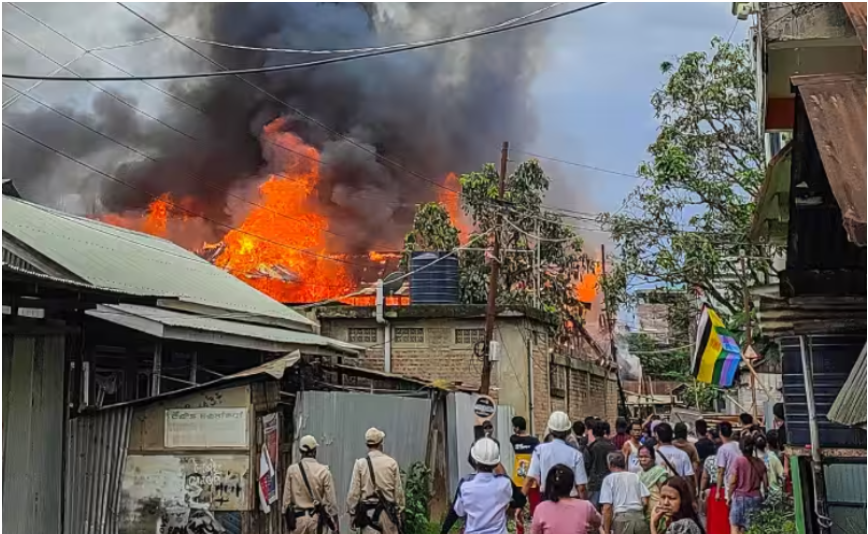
717	355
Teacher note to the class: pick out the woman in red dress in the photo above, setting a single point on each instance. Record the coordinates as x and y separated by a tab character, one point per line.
716	510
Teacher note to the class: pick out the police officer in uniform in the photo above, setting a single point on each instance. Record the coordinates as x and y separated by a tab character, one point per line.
376	501
309	493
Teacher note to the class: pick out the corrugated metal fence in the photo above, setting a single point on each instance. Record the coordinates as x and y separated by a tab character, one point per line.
32	433
339	420
95	462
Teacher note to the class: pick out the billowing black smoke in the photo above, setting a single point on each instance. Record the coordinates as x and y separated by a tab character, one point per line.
436	110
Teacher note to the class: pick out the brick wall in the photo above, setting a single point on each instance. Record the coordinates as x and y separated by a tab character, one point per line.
580	388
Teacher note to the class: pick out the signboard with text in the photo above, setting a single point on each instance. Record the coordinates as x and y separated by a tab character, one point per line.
203	428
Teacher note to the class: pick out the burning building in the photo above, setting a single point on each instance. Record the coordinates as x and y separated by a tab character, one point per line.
292	198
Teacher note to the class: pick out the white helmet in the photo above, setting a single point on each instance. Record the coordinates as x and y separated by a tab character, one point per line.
485	452
560	422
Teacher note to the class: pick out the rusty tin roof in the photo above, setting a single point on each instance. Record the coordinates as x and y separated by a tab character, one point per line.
856	12
836	107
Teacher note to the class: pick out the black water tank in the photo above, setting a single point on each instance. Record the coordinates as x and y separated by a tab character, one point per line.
833	357
434	279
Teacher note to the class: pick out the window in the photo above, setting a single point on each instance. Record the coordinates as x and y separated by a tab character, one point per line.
409	335
362	335
469	336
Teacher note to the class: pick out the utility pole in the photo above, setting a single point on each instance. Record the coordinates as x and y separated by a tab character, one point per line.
748	335
491	309
622	399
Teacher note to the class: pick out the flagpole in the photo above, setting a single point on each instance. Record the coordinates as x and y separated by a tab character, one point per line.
748	335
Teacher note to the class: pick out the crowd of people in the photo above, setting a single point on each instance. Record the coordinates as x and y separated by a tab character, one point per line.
648	477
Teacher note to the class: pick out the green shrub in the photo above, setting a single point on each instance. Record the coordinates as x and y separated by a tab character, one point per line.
775	517
418	493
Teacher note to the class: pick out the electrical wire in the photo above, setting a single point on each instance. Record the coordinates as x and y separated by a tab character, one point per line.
309	64
537	237
378	157
576	164
169	203
359	50
402	277
112	95
207	184
178	99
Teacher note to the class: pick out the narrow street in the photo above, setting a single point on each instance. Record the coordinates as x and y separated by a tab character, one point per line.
434	268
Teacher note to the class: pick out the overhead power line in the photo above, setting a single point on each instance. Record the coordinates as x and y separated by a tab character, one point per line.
582	165
357	50
169	203
304	65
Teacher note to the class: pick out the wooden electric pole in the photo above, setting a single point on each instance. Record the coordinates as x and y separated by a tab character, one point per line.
623	411
491	309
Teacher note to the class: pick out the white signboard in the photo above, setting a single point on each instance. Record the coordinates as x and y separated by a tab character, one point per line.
202	428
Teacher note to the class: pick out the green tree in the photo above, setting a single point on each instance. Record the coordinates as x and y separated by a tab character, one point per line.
432	231
560	249
687	223
560	252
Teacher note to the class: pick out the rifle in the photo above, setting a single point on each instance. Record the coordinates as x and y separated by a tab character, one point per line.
323	519
362	519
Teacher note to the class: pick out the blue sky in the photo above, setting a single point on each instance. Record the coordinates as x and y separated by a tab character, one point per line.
592	95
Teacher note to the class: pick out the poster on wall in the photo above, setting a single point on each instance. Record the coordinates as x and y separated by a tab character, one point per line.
268	460
162	493
202	428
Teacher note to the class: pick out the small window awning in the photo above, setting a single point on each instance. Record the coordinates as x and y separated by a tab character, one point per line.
836	108
193	328
850	406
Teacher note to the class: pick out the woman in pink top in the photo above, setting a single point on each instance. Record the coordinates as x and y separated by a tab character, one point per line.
561	514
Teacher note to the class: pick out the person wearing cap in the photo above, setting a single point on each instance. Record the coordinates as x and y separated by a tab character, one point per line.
376	500
309	493
484	498
547	455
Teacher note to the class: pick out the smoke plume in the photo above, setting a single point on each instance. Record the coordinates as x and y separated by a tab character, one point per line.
435	110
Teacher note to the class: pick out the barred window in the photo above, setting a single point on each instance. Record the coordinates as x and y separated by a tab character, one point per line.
469	336
362	335
409	335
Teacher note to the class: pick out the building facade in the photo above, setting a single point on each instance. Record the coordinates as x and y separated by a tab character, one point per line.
441	343
811	66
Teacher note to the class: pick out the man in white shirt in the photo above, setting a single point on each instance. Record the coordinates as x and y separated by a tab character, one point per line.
727	454
547	455
624	499
676	461
484	497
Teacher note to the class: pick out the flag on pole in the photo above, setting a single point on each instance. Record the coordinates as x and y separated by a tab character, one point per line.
717	355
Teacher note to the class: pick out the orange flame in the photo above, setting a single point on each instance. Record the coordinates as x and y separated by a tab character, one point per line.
586	287
281	246
451	201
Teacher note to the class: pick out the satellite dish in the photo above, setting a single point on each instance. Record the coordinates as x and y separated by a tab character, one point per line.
393	282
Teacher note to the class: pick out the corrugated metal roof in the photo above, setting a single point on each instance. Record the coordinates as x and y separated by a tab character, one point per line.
134	262
169	324
850	405
856	11
273	368
836	107
811	315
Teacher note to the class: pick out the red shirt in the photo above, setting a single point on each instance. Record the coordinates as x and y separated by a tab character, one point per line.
620	439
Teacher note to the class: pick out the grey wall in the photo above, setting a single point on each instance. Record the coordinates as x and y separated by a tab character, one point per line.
33	409
338	421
